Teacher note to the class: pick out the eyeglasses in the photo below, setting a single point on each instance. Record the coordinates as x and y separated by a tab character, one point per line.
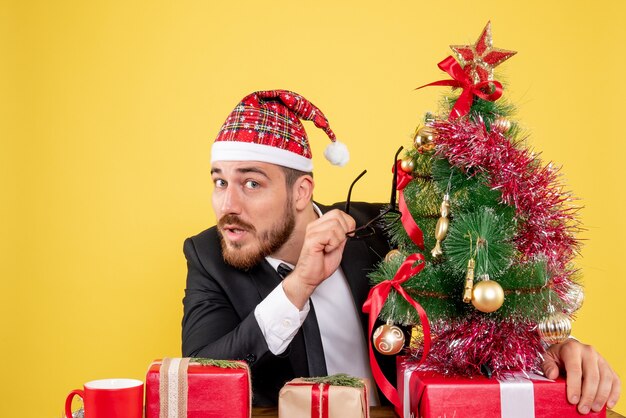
368	230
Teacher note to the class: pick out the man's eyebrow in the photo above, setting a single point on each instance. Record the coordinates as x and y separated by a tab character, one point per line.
243	170
257	170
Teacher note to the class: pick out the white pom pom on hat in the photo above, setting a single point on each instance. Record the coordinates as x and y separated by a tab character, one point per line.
337	153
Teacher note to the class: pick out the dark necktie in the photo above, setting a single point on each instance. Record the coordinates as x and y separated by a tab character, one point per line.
311	333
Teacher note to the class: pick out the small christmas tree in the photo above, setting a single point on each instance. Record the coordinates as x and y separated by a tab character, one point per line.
493	227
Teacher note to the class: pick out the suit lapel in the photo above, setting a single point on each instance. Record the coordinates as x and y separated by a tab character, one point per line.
264	278
355	264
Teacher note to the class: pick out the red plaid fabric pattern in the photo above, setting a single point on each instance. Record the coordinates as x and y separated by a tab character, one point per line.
273	118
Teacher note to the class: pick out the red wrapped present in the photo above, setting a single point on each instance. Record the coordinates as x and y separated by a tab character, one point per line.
198	388
324	397
431	395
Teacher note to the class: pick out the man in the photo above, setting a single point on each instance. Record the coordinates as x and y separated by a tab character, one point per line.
310	322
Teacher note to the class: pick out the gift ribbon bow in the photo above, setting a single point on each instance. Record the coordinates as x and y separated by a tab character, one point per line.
409	224
463	80
373	305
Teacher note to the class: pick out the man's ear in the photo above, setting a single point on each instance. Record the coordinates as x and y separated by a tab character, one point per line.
303	192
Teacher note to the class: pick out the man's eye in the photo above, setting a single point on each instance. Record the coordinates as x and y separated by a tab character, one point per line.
251	184
220	183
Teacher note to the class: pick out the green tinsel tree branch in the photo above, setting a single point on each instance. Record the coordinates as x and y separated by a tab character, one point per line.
340	379
224	364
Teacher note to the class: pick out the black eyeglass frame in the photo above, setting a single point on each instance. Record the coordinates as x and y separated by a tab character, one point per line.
368	230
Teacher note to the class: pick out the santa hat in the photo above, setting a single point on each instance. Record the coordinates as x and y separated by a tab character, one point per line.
265	126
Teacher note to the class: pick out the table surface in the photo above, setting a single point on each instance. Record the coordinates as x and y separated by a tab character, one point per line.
375	412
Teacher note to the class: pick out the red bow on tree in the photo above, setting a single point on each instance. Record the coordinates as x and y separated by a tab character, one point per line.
488	90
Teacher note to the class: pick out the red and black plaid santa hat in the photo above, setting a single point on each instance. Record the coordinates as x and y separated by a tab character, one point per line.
265	126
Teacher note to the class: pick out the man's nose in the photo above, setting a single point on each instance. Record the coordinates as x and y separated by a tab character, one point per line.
231	203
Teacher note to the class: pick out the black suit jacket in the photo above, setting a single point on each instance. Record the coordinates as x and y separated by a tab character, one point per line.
219	305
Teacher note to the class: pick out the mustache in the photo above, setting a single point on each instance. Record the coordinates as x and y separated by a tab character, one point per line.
234	220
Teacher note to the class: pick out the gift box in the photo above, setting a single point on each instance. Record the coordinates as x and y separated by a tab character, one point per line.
430	395
316	398
198	388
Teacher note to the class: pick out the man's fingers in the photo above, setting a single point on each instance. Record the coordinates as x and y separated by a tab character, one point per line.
333	220
615	390
591	379
604	386
572	361
550	368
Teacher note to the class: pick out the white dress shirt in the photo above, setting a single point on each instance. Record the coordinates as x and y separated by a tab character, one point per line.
345	347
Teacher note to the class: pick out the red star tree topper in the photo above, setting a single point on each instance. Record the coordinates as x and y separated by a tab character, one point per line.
480	59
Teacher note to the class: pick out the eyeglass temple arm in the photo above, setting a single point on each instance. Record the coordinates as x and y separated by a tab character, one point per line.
350	190
394	182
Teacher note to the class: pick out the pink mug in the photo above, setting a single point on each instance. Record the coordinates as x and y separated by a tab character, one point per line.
109	398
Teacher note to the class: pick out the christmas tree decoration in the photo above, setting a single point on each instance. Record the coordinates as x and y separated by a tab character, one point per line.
423	139
442	225
392	255
388	339
480	59
407	165
502	125
555	328
575	295
503	232
417	337
487	295
469	281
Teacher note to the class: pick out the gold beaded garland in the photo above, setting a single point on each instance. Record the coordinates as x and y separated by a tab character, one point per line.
388	339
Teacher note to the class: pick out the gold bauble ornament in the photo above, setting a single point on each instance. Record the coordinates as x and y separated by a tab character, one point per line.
392	255
487	295
423	137
501	124
407	165
388	339
555	328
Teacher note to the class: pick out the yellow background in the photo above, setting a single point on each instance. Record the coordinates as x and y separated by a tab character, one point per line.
108	110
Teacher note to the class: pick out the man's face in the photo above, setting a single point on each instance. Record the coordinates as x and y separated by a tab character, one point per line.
254	210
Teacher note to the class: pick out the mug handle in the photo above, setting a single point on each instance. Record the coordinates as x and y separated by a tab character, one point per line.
68	401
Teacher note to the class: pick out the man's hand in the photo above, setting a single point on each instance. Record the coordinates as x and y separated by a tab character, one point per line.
321	253
590	380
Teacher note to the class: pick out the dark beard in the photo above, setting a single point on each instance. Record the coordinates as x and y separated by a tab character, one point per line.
268	242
